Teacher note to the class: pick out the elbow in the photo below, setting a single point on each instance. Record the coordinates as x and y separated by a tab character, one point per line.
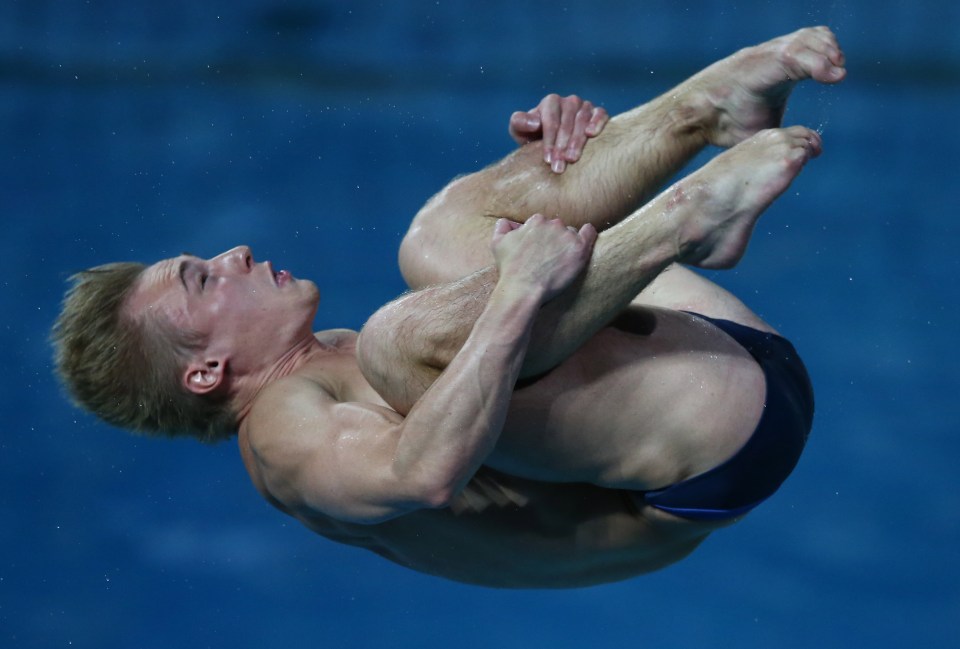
440	497
438	492
409	245
411	499
414	258
425	256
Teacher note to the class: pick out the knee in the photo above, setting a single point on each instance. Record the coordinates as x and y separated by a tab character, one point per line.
414	254
379	344
425	252
393	358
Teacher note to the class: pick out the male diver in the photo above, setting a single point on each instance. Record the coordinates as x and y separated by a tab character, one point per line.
552	407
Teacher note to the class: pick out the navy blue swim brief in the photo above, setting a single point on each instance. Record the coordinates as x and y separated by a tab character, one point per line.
758	469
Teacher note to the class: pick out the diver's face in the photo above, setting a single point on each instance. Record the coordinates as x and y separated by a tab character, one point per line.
244	310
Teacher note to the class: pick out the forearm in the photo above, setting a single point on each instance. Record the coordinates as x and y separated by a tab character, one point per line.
625	260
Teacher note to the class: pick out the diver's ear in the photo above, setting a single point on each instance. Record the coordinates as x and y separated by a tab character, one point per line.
203	377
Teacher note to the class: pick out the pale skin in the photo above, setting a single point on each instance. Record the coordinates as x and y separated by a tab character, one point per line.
415	444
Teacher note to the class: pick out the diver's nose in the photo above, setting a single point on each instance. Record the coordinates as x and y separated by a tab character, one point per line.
239	258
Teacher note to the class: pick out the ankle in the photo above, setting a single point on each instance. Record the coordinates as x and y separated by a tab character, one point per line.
685	116
693	115
683	203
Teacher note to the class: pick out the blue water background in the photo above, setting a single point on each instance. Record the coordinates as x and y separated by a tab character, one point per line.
313	131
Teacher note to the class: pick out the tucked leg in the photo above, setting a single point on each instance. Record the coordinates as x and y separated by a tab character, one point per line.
704	219
626	164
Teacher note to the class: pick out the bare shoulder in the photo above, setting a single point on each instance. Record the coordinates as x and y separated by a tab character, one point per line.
314	451
278	433
290	412
281	427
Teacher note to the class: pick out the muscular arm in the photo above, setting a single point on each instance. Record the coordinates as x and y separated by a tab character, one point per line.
625	259
362	463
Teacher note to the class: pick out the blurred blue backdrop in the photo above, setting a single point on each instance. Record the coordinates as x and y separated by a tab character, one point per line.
313	131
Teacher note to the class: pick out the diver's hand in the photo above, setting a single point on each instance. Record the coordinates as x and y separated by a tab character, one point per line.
563	123
541	256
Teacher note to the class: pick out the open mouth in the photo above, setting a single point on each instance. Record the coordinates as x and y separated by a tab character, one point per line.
280	277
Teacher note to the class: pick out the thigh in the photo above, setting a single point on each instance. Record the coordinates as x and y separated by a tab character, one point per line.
683	289
655	398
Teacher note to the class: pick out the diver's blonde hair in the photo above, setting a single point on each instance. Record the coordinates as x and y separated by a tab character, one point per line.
126	368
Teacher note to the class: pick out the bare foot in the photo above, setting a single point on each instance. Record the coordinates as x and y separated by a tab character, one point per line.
729	194
748	91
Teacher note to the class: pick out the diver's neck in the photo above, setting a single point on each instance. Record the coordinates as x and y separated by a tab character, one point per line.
248	387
